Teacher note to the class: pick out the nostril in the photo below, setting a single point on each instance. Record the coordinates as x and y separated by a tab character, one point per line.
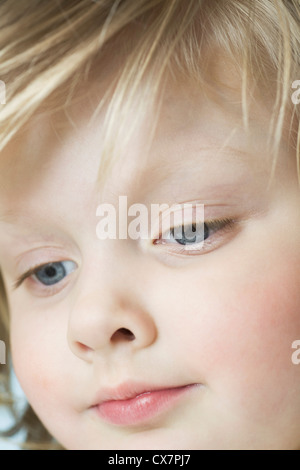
122	334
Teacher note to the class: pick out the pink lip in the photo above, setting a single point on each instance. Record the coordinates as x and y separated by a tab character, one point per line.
128	408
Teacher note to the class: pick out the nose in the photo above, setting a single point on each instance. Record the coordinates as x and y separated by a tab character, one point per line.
102	322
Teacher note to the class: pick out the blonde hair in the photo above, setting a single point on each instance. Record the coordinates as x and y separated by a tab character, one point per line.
48	49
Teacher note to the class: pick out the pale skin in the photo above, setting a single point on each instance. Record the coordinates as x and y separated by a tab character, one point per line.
225	317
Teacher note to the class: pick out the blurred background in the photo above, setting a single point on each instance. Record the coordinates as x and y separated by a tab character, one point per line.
6	420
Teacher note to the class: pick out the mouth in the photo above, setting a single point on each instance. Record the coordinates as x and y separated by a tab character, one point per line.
125	406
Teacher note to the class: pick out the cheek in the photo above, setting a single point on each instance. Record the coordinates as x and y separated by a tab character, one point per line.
238	335
45	369
41	363
263	321
33	358
267	313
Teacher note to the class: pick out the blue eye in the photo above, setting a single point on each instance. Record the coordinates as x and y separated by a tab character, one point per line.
195	238
189	234
53	273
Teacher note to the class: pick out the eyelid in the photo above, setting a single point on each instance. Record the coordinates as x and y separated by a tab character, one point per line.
32	271
223	228
27	274
213	223
192	210
217	224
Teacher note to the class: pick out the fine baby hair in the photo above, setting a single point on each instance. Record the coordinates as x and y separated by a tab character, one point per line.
240	53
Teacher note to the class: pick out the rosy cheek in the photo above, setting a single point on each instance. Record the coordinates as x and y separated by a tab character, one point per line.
251	363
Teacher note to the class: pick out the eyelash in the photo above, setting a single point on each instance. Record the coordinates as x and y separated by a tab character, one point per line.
222	226
50	289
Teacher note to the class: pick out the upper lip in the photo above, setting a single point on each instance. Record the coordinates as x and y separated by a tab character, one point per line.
129	390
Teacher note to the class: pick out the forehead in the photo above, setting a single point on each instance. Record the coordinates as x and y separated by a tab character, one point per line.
195	123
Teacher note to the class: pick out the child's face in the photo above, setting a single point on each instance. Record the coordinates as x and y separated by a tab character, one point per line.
121	319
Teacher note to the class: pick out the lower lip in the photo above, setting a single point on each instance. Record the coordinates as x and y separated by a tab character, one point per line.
141	408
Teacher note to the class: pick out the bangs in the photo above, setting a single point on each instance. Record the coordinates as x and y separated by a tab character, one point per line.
50	49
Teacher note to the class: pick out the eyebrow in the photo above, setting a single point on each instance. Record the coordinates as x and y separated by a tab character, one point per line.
37	228
10	217
168	169
203	154
162	172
